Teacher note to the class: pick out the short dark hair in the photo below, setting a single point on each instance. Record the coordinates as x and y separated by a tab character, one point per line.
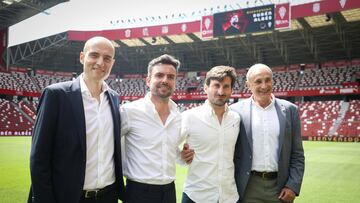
219	73
163	59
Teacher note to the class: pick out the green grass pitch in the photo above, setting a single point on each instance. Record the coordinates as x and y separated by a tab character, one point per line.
331	172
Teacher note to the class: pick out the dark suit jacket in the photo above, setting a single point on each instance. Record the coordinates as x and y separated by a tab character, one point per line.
291	153
58	152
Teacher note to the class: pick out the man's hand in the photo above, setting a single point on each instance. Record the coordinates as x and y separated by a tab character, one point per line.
187	154
287	195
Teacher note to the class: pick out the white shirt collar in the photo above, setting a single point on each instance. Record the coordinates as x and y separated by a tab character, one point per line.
85	90
210	109
272	103
172	105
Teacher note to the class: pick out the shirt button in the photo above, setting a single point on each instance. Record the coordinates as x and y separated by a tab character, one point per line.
249	157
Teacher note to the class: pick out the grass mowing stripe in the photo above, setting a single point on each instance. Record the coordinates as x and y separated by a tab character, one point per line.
331	172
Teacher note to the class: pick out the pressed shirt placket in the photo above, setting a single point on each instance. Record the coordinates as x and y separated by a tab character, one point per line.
210	176
99	170
265	134
150	147
164	150
100	142
221	154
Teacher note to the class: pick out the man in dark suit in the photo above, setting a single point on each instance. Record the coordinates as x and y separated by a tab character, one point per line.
269	156
75	154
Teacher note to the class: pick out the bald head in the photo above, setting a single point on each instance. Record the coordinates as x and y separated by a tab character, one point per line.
255	68
97	58
98	40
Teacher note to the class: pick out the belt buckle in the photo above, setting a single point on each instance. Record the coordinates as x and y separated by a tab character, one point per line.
263	175
89	192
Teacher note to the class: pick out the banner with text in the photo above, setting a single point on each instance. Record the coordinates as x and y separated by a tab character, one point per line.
282	16
247	20
207	26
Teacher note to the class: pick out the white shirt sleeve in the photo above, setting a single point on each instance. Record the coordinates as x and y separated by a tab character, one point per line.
183	138
124	120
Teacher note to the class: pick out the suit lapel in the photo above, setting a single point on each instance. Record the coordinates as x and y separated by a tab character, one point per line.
281	112
247	121
114	106
114	109
79	114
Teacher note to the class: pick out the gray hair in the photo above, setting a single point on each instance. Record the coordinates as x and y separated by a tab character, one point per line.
255	67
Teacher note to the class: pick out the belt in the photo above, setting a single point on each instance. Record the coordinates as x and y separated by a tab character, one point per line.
265	175
98	192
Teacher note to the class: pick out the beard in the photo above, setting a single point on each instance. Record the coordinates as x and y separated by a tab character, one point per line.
159	92
218	102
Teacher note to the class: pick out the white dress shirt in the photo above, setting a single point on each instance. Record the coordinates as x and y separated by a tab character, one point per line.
210	176
265	135
150	147
100	168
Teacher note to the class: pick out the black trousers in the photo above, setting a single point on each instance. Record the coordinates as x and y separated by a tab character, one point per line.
186	199
110	196
140	192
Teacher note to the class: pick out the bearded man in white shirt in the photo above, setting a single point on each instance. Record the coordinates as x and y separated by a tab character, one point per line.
211	130
151	131
269	156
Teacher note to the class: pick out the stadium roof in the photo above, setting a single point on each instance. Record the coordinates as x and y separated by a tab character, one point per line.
14	11
313	39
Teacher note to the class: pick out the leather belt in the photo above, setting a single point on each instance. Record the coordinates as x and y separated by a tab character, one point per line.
265	175
98	192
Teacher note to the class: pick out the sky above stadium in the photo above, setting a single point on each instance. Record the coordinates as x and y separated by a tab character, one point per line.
116	14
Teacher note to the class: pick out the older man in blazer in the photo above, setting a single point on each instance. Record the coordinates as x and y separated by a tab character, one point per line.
269	156
75	154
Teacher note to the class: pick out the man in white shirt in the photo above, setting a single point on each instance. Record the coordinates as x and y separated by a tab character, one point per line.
269	157
151	131
211	130
75	152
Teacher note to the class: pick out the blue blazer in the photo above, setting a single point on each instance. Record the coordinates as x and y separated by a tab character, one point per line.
291	161
58	152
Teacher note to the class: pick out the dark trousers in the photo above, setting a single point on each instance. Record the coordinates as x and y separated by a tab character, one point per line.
109	196
186	199
140	192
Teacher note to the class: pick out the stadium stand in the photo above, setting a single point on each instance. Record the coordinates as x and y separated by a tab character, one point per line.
318	118
128	87
240	84
283	81
189	84
325	77
13	121
42	80
17	81
28	107
350	125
